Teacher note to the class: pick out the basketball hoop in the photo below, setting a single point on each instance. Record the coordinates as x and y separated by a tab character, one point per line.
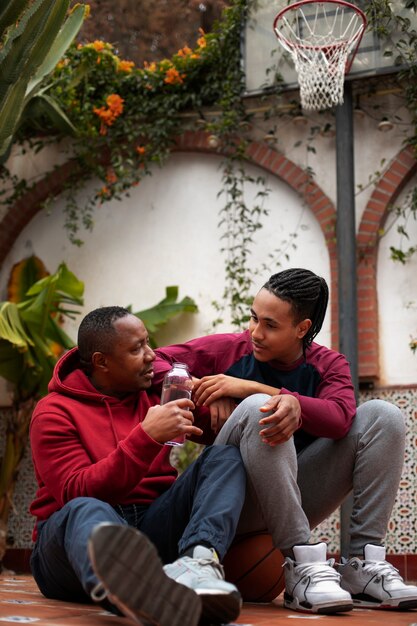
322	38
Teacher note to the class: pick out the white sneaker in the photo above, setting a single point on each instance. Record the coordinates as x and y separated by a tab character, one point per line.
312	585
132	578
202	572
374	583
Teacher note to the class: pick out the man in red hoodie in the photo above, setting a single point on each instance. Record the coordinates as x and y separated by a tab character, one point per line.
109	506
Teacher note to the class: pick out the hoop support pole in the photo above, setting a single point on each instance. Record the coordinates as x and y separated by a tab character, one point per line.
346	254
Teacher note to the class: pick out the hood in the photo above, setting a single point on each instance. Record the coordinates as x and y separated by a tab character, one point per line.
69	379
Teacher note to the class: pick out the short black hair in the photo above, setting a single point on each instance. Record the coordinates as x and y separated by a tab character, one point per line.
96	332
308	295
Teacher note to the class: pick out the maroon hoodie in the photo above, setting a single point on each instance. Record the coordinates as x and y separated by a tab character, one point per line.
85	443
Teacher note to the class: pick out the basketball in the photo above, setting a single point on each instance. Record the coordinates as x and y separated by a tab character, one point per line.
255	567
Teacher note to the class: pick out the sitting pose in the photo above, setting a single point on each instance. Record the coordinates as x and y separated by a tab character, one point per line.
109	507
304	444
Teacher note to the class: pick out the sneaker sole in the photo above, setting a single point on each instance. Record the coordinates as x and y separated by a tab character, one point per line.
321	609
131	572
219	608
399	605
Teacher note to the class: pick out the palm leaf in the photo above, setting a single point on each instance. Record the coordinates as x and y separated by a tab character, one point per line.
22	277
166	309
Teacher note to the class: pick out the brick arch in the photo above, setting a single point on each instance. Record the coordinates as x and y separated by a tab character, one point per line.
398	173
278	164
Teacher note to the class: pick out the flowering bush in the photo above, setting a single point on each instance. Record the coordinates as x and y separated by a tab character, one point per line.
129	116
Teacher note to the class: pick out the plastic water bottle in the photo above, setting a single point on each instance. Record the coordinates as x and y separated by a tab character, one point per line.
177	384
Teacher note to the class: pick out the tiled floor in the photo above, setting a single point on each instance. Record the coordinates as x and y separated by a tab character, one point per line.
21	602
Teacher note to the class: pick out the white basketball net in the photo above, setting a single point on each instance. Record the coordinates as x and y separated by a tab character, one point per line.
319	36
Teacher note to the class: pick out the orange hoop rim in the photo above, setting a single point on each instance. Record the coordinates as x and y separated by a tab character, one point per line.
357	37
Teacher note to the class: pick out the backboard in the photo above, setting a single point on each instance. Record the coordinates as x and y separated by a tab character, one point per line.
263	55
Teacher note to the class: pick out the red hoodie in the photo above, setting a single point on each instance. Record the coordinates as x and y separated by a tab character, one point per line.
85	443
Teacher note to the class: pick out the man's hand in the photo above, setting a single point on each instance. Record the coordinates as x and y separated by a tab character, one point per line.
284	420
211	388
220	411
171	420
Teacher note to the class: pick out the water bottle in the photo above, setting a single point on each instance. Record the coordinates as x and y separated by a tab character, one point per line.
177	384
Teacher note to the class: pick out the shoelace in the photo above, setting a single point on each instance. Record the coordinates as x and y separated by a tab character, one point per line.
381	568
318	571
209	565
98	593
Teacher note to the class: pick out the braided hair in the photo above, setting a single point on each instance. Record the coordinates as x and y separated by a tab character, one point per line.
96	333
308	295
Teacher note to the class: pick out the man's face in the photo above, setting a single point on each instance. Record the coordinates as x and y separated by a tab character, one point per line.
275	334
127	367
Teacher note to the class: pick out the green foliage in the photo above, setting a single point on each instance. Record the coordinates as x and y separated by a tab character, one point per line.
130	116
31	339
182	456
30	331
32	40
158	315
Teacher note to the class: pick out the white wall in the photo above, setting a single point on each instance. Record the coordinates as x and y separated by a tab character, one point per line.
397	301
166	233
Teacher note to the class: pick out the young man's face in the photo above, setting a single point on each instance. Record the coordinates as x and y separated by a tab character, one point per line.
274	332
128	366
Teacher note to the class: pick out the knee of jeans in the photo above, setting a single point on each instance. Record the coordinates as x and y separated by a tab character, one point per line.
223	451
390	418
85	504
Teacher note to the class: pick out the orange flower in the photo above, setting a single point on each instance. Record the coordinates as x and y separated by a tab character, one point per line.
185	51
140	149
173	77
151	67
98	45
115	103
111	176
201	41
125	66
104	191
111	113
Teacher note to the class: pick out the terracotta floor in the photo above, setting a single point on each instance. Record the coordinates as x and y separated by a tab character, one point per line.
21	602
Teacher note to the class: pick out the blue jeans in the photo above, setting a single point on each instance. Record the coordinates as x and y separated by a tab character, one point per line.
202	506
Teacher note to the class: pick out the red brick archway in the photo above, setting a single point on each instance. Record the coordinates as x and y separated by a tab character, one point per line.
278	164
396	176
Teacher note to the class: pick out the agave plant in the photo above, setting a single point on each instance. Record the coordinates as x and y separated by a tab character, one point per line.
31	341
34	35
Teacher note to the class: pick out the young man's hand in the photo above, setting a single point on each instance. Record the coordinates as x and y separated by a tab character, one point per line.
220	411
211	388
284	420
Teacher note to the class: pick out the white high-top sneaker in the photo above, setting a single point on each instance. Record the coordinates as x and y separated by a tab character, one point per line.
202	572
374	583
312	585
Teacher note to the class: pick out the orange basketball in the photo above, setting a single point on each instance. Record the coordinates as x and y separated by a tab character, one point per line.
255	567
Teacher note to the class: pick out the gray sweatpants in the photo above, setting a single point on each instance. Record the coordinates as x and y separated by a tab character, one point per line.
288	494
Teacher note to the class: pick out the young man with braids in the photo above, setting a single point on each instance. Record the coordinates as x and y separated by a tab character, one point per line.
304	444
